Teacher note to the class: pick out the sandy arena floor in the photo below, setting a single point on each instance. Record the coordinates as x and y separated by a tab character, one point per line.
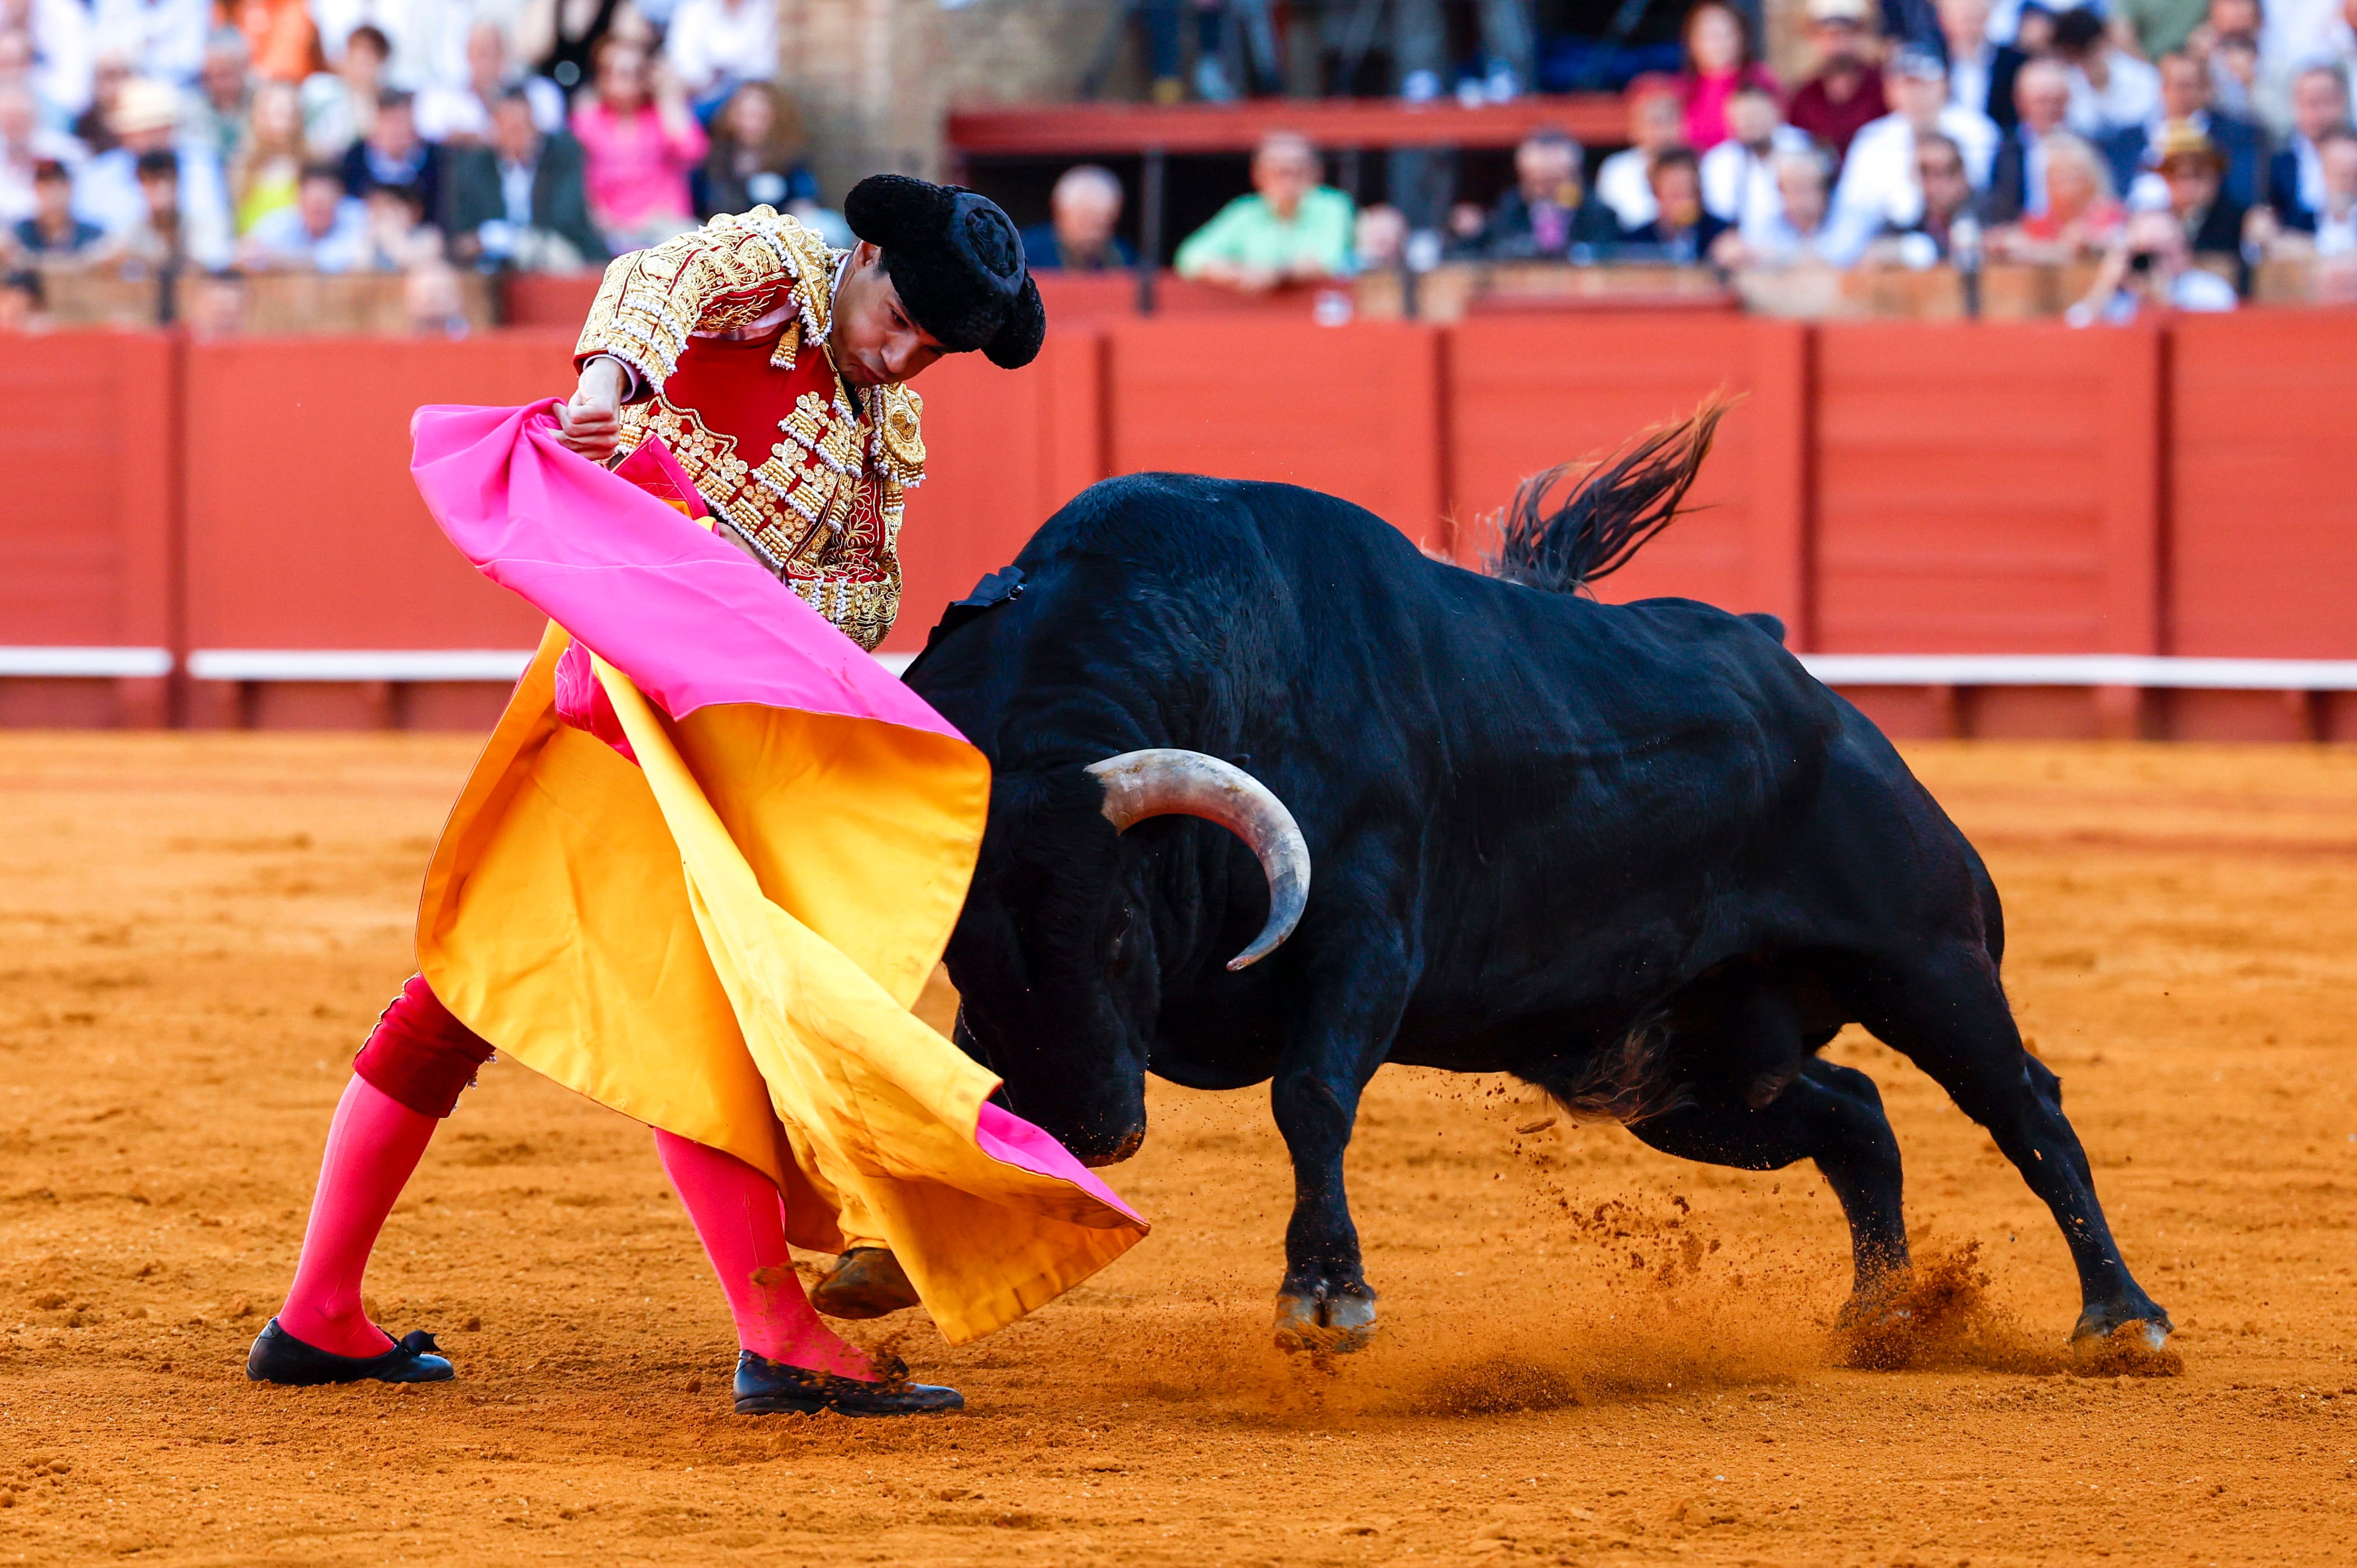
1591	1353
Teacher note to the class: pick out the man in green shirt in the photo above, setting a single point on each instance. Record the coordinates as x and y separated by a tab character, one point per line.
1290	230
2155	28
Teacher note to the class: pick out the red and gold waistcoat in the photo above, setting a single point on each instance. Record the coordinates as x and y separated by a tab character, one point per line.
759	419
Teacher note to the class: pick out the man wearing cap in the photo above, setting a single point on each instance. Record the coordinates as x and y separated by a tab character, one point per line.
1877	180
1847	92
772	368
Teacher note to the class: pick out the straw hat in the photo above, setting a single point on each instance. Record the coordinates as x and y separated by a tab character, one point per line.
2182	139
144	104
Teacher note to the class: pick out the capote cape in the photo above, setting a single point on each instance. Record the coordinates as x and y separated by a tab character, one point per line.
717	923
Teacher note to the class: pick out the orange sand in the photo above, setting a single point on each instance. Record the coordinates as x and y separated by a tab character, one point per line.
1590	1353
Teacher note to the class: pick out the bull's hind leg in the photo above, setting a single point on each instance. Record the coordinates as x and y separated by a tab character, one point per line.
1950	1016
1831	1114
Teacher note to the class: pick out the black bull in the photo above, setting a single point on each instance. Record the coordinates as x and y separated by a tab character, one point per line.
1634	855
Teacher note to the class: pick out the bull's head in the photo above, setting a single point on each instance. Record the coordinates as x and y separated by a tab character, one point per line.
1057	956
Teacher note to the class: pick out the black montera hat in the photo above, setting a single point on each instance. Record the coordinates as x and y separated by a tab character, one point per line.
958	263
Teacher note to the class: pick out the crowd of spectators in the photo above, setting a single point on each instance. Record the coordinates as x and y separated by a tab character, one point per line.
2171	145
202	140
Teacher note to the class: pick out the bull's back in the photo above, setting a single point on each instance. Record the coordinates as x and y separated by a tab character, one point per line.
1313	615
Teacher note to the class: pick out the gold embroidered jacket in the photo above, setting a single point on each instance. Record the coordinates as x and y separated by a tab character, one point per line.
726	332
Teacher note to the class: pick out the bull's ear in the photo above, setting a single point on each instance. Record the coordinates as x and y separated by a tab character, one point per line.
1166	781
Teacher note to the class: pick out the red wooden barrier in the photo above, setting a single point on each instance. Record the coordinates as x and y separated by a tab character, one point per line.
1093	298
1888	489
2262	506
1353	411
2262	525
88	545
1985	487
1002	451
542	299
304	529
1527	393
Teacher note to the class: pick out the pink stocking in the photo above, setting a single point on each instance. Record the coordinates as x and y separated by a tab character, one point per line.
742	1223
374	1145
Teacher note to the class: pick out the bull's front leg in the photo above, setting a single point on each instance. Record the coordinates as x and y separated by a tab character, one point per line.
1326	1304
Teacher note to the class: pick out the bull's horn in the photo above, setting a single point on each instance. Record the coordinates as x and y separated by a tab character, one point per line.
1167	782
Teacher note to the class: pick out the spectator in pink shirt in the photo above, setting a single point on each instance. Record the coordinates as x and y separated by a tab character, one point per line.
1718	64
640	142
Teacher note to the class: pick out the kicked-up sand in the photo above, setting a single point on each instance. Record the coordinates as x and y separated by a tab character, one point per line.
1589	1352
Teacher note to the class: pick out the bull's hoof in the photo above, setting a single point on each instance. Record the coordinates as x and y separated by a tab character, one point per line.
867	1282
1877	1299
1871	1310
2101	1320
1328	1320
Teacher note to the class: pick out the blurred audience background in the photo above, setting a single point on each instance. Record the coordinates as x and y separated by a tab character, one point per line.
180	142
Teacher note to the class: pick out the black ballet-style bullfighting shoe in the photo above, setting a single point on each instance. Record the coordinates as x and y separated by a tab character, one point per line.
771	1387
278	1357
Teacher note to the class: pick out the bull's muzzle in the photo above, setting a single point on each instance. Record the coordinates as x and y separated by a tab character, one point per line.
1130	1144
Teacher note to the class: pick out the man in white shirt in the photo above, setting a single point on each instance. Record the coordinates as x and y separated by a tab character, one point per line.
1656	122
1877	180
714	46
1804	229
1738	176
161	38
2111	90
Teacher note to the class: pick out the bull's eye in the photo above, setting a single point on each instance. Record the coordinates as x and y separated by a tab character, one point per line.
1120	942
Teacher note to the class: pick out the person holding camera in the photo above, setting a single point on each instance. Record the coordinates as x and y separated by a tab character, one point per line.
2151	268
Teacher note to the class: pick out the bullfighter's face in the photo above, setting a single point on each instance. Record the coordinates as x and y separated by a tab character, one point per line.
1054	961
874	341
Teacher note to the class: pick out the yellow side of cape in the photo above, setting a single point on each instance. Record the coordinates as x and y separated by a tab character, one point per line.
725	941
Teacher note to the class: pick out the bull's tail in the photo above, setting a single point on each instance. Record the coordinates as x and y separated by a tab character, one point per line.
1612	507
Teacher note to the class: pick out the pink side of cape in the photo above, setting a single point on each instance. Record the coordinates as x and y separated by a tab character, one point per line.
1011	1141
682	613
685	614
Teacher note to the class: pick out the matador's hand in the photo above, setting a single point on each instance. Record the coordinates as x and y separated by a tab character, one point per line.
590	422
